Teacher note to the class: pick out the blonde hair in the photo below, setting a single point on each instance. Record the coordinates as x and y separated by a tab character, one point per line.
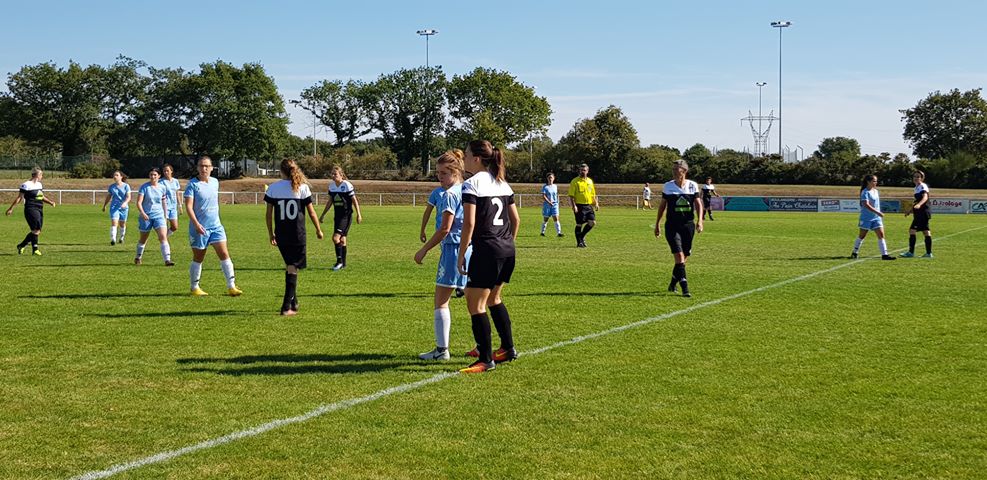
452	159
291	171
337	168
35	171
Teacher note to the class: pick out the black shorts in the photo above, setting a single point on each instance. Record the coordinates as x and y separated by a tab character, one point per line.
485	271
584	213
679	237
35	218
295	255
341	224
920	221
706	203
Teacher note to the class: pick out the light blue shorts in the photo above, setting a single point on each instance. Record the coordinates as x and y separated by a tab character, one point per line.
172	213
549	210
448	272
212	235
119	214
153	223
872	224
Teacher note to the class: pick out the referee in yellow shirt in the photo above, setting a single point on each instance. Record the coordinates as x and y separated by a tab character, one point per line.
582	197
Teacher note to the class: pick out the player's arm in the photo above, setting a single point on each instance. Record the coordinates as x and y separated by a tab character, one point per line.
447	220
18	199
469	221
140	206
310	208
106	200
425	217
190	211
698	205
870	207
325	210
596	199
515	220
545	198
126	200
48	201
661	212
572	203
176	198
922	202
269	219
356	206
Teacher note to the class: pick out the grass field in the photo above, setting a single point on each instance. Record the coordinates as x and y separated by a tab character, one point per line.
852	369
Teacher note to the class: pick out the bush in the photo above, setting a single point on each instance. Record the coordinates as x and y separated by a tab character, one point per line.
94	169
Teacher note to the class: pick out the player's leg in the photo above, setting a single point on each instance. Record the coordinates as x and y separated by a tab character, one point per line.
558	224
882	244
911	243
502	323
122	223
544	224
141	242
114	224
442	321
928	243
162	232
858	241
195	268
225	262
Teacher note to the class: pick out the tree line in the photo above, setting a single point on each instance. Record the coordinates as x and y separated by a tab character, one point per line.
135	114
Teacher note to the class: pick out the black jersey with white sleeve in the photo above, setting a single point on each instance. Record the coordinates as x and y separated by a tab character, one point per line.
492	232
680	202
342	197
34	195
289	211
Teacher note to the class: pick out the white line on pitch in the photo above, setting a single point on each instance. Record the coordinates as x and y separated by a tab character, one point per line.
345	404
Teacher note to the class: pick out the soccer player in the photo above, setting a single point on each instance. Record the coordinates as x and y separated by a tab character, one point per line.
344	202
709	191
150	203
680	197
921	214
204	227
172	186
433	200
646	195
448	230
287	202
491	223
118	196
871	217
550	204
582	197
33	196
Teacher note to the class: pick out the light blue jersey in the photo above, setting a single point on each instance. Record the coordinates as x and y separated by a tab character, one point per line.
171	196
433	198
451	201
118	195
868	219
153	203
205	202
551	207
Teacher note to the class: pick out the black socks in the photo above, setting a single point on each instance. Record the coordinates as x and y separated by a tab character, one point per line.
290	285
911	244
502	322
928	245
481	334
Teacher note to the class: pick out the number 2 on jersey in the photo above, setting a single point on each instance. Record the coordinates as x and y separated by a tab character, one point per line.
498	219
289	209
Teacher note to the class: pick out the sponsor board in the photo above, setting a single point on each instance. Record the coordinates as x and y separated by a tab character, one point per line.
716	203
949	205
745	204
842	205
891	206
793	204
978	206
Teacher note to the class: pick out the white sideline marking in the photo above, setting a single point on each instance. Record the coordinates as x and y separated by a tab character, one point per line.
344	404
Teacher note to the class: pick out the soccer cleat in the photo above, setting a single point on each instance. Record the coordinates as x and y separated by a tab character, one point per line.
112	243
503	355
169	263
560	235
36	252
927	255
853	255
475	353
435	354
289	313
478	367
234	292
907	255
460	292
888	257
337	267
198	292
543	234
685	289
120	241
671	285
137	261
20	249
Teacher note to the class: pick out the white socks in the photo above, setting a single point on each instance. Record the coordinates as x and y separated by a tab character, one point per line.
194	274
883	246
113	233
166	251
558	228
123	233
140	250
856	244
543	226
227	267
442	322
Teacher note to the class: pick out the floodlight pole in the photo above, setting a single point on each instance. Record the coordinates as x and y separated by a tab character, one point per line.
760	86
780	25
427	32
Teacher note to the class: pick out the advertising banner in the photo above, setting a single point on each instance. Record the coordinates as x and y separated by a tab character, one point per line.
716	203
891	206
978	206
793	204
745	204
949	205
829	205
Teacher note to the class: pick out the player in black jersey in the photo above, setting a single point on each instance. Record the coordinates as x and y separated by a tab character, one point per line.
287	202
685	217
709	191
921	214
343	198
33	196
491	223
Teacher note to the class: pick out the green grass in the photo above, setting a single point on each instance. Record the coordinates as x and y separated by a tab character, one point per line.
873	370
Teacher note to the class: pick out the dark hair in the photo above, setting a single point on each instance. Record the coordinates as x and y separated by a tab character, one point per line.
123	176
549	174
867	179
920	174
167	166
203	157
293	172
154	170
491	158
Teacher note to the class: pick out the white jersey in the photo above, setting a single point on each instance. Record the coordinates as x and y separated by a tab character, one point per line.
289	211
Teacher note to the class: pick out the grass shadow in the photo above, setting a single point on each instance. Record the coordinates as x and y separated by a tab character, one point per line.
70	296
840	257
301	364
375	295
292	358
187	313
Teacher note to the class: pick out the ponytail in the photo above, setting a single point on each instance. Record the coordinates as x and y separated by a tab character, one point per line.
291	171
452	159
866	180
491	157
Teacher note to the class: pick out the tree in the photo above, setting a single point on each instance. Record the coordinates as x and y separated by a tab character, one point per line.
494	106
835	157
342	107
602	142
944	124
406	108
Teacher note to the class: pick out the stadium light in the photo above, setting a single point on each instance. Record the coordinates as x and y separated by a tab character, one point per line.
428	32
780	25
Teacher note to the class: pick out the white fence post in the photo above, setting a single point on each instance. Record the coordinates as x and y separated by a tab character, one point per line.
380	199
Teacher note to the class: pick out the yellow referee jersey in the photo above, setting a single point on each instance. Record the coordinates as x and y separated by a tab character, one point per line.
582	190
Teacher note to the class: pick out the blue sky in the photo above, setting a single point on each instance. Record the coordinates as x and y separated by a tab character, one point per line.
683	72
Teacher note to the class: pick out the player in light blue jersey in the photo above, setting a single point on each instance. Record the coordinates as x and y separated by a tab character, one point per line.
871	217
448	231
550	205
118	196
172	186
433	199
150	202
204	228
